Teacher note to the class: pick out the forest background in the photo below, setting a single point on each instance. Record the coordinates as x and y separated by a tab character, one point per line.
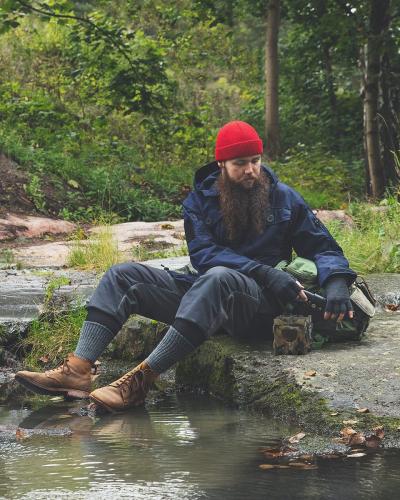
110	106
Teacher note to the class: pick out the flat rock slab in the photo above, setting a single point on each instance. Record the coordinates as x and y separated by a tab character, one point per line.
153	235
14	226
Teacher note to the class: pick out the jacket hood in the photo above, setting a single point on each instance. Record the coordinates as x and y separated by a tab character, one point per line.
205	177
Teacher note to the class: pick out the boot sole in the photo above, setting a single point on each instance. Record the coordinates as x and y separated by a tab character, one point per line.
103	405
38	389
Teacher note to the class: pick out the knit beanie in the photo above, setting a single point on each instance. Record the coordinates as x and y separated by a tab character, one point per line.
236	139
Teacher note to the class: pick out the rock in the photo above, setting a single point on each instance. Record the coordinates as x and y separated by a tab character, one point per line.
130	234
152	235
28	226
334	215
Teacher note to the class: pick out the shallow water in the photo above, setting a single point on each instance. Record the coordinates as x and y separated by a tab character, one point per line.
182	447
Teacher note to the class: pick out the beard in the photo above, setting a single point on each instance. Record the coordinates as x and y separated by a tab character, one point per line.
243	210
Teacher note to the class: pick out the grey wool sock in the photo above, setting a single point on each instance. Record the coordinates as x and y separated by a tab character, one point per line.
172	348
93	339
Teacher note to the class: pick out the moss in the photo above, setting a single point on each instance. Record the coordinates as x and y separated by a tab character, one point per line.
224	369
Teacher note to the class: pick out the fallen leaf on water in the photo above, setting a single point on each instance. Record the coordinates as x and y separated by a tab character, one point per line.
20	434
296	438
310	373
277	452
373	441
362	410
392	307
302	465
272	466
348	431
356	455
350	422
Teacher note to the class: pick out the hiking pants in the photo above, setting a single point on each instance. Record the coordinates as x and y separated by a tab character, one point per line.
221	298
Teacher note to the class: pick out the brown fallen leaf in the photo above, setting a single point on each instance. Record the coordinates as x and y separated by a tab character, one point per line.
302	465
307	457
273	466
373	441
356	455
277	452
379	431
362	410
20	434
392	307
356	439
44	359
350	422
310	373
348	431
296	438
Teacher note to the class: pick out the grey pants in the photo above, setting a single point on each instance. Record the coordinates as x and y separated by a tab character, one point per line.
220	299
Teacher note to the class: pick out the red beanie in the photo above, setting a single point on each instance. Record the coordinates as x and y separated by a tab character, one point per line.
237	139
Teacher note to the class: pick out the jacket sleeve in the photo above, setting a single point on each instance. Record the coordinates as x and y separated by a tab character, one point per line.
312	240
205	253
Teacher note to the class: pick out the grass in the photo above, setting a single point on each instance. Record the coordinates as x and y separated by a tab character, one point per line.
373	244
55	333
51	338
99	252
141	252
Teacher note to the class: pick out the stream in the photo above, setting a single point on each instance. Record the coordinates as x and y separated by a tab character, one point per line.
181	446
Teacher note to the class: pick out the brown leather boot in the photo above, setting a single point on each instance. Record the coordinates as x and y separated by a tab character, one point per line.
72	378
128	391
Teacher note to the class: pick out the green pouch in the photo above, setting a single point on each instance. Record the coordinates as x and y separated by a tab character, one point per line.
304	270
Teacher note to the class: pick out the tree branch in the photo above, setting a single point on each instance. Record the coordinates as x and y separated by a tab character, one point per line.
117	43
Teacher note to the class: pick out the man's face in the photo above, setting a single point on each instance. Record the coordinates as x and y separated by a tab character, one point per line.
243	171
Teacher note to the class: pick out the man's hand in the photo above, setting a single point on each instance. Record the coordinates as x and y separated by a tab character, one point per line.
338	299
283	286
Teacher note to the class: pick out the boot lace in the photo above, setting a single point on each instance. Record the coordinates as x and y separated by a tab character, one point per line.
62	368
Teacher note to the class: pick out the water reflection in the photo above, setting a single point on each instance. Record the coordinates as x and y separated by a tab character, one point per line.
186	448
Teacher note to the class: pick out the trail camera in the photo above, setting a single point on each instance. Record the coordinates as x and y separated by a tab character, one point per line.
292	334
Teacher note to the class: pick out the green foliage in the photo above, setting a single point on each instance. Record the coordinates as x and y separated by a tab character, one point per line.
373	245
99	252
120	101
6	256
323	180
50	339
35	193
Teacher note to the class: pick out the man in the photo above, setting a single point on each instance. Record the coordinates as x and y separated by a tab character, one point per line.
240	221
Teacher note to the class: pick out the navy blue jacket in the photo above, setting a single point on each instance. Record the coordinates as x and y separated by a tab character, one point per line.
290	224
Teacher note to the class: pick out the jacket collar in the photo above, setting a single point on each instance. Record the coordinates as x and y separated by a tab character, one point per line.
205	177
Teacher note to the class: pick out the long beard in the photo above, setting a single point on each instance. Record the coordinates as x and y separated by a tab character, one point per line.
243	210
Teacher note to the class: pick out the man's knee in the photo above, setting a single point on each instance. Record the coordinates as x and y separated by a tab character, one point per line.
123	273
221	275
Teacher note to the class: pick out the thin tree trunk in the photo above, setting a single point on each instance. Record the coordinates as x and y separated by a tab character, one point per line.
272	80
379	10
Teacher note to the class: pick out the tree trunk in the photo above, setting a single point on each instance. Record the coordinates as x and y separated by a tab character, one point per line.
272	80
378	12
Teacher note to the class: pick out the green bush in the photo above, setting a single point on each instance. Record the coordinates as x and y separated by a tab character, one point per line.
373	244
